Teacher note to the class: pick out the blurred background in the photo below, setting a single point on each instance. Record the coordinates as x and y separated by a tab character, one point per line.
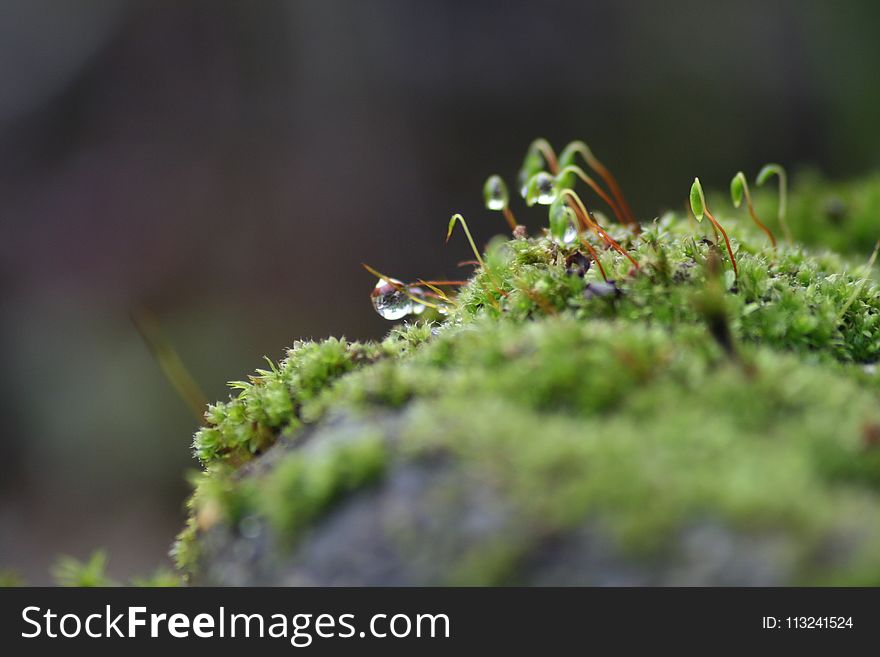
229	165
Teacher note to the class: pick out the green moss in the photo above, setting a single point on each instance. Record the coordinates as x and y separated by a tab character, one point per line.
838	216
679	394
185	550
491	564
92	572
217	498
161	578
268	403
10	579
305	484
299	487
685	441
68	571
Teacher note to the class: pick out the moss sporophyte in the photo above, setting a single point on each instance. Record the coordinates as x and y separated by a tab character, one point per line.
739	188
699	208
598	378
767	172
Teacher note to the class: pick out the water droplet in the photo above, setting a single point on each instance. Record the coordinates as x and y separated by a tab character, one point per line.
390	301
541	189
495	193
563	223
531	165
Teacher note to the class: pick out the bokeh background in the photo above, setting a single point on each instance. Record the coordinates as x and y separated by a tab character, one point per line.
229	165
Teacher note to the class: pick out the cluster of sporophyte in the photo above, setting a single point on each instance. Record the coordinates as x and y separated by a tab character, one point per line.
627	306
548	179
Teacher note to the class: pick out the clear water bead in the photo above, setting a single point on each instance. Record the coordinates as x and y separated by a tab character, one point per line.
563	222
542	189
495	193
390	301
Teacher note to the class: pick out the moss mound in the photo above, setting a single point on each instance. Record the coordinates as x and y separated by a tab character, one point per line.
674	424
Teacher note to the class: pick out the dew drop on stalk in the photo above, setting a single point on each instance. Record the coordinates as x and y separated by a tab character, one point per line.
541	189
533	163
495	193
563	222
390	301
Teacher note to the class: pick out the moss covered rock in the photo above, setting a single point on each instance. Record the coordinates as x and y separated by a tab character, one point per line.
673	424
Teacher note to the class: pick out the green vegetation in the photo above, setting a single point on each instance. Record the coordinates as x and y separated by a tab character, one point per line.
834	216
739	189
620	377
91	573
10	578
267	403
